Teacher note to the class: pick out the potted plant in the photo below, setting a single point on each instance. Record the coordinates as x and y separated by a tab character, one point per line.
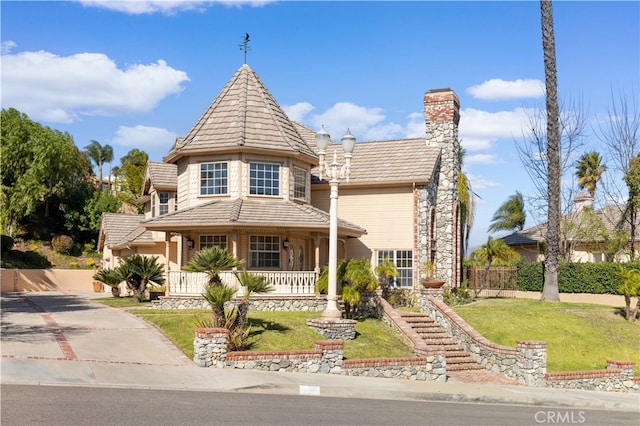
430	279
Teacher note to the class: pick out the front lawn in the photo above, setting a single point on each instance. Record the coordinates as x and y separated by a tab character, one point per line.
271	331
578	336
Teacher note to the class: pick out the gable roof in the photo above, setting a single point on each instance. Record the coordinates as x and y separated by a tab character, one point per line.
390	161
161	176
609	215
116	228
250	213
243	116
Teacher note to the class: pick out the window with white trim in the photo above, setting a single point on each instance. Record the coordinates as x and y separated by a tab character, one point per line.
153	205
403	259
264	179
209	241
299	183
163	203
213	178
264	251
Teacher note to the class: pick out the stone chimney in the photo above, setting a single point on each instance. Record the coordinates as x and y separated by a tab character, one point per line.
442	115
583	200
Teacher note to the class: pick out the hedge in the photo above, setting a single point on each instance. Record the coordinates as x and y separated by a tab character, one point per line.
594	278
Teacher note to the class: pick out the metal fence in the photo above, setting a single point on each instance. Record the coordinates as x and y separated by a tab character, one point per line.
498	281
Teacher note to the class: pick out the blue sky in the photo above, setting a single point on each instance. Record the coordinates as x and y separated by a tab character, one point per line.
136	74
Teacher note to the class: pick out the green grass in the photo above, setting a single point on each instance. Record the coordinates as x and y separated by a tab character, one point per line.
578	336
272	331
120	302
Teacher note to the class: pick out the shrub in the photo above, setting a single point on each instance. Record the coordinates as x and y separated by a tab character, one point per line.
6	243
62	244
401	298
34	260
574	277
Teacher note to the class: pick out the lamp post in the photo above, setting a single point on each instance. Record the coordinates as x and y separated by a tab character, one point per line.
334	173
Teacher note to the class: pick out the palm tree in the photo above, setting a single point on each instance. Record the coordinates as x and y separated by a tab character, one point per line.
589	171
386	270
100	155
252	283
217	295
138	271
212	261
630	287
466	203
109	277
550	287
510	215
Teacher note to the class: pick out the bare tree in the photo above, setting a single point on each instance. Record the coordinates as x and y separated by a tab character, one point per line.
620	133
532	151
550	287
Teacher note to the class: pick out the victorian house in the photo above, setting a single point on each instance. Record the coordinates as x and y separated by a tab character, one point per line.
246	178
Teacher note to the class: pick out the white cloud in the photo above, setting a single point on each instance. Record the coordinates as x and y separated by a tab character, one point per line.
480	159
343	115
479	129
144	137
367	124
167	7
298	112
478	182
7	46
62	88
416	126
498	89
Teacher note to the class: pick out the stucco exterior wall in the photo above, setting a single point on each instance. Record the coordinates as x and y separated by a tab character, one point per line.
385	212
27	280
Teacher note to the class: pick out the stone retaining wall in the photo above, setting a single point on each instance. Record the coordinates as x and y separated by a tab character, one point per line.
327	357
617	377
256	303
526	363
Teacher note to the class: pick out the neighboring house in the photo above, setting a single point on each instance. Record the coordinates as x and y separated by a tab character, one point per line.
245	178
586	234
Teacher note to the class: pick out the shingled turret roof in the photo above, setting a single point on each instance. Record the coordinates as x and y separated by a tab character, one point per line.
244	114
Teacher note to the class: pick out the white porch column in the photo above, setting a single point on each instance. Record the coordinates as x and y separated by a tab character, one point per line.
167	252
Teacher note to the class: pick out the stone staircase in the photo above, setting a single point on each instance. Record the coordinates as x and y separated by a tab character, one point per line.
437	339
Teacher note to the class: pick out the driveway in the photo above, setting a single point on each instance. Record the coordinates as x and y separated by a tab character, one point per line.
72	327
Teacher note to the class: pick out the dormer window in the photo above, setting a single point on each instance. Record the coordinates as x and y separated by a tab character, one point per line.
264	179
299	183
213	178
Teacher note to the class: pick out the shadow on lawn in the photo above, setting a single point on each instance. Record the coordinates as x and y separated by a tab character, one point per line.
259	326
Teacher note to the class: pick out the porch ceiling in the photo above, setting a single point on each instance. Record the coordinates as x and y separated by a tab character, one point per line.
250	213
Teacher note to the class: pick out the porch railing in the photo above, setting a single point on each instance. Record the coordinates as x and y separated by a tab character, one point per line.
284	282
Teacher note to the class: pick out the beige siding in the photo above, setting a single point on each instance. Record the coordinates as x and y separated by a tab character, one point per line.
386	214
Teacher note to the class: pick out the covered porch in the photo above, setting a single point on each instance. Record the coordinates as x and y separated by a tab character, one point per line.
283	241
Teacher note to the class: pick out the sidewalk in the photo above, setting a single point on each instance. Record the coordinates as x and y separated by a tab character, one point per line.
67	339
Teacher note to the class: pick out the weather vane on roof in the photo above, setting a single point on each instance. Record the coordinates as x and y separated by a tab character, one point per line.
244	46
